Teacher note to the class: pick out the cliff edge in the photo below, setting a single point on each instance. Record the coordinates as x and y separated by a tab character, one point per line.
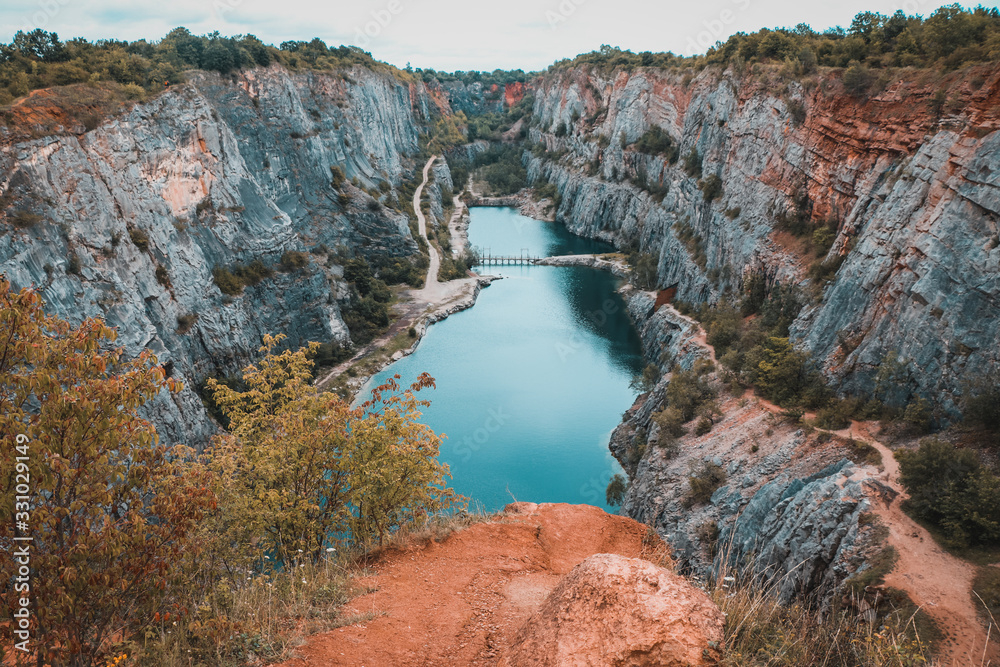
488	594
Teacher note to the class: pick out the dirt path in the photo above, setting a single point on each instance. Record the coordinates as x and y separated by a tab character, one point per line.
416	304
935	580
460	601
938	582
432	290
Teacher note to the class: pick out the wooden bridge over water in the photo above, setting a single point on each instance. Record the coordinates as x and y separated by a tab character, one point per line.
485	257
507	260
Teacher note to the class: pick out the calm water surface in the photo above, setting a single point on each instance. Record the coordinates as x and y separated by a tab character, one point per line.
533	379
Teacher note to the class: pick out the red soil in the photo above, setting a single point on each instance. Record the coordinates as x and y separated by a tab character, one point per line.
460	601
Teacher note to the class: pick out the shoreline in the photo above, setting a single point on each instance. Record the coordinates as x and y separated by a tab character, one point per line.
421	323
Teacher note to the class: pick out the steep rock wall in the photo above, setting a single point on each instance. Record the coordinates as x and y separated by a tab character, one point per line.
136	213
789	505
913	197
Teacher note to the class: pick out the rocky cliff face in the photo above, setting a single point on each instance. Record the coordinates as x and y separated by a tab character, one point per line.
913	199
788	506
134	215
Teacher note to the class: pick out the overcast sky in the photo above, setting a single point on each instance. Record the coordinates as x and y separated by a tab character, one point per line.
448	34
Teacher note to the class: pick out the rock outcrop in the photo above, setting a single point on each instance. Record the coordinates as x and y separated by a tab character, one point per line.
616	612
136	214
912	198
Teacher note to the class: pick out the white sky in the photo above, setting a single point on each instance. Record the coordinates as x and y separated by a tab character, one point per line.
448	34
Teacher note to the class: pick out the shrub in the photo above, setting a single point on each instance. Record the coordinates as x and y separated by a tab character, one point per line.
331	354
778	370
293	260
704	481
703	426
822	239
112	511
366	318
163	276
204	205
500	166
797	111
860	451
671	421
687	391
337	174
647	380
24	219
836	416
918	416
949	487
73	264
708	535
857	79
981	401
656	141
140	239
724	329
692	163
615	493
232	281
185	322
644	269
711	187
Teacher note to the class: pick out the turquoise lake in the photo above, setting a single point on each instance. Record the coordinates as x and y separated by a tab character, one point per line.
532	380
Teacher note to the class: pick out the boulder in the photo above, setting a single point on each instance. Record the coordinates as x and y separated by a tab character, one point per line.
614	611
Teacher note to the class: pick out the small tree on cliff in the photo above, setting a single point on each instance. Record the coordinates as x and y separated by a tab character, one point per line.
302	467
106	510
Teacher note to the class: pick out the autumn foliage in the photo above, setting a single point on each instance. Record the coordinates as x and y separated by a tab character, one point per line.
136	545
303	470
109	510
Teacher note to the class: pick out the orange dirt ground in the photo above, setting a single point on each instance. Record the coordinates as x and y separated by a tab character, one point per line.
460	601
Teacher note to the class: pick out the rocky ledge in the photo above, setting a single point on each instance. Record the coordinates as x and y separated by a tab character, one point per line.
538	585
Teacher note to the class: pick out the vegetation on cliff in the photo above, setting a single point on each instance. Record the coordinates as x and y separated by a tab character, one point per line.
151	551
950	488
39	59
951	37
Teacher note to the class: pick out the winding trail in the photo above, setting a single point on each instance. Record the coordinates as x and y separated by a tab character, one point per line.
433	297
432	290
936	581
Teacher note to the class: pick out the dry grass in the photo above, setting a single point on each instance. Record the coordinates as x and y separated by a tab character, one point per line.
255	622
857	629
760	631
259	620
433	528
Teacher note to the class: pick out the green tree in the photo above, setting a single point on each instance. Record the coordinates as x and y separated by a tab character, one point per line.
615	494
949	487
110	513
857	79
780	370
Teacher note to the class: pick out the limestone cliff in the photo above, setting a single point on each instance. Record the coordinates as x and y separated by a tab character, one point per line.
913	198
789	506
133	216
